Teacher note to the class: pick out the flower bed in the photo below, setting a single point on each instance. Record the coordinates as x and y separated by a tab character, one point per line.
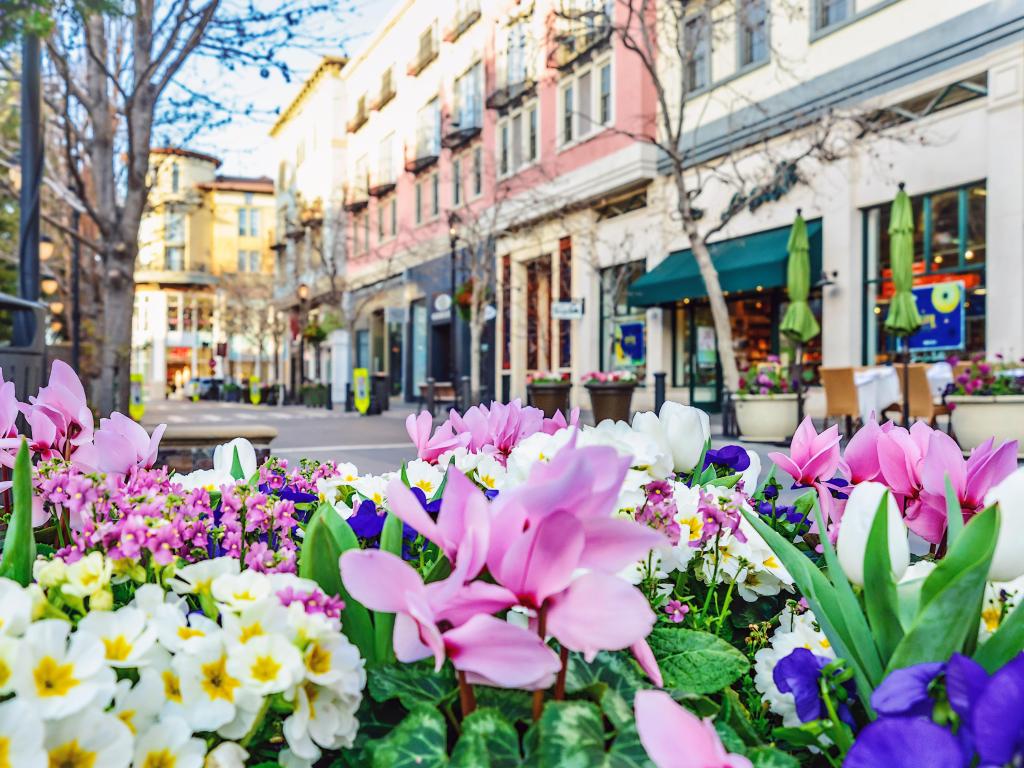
987	400
524	592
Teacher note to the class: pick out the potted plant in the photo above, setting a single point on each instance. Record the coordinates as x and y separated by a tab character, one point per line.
766	405
610	394
549	391
987	400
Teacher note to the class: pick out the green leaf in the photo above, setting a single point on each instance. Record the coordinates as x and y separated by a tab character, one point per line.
571	735
769	757
627	751
384	623
419	741
413	685
19	543
488	741
730	739
954	515
737	716
515	706
237	473
951	596
611	678
327	536
880	598
698	662
1005	643
863	644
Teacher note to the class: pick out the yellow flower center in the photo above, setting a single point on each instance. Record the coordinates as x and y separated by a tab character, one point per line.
5	675
991	616
694	525
243	595
486	480
127	716
217	683
187	633
318	659
824	643
172	686
53	678
424	485
71	755
248	633
5	752
162	759
118	649
265	669
771	562
378	498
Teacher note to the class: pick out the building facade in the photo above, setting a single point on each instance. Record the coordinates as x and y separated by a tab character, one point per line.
203	276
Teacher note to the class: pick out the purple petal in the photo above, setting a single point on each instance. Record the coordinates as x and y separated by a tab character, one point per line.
998	721
905	691
905	742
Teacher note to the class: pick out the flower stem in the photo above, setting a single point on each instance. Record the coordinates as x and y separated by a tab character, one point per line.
257	723
563	655
467	699
542	631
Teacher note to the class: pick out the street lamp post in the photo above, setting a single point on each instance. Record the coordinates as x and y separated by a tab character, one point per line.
303	296
76	304
31	177
453	241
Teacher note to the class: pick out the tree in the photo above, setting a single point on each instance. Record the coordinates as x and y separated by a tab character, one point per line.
248	311
671	40
113	80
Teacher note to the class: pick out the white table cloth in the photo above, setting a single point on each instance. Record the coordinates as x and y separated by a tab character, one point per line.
877	389
940	375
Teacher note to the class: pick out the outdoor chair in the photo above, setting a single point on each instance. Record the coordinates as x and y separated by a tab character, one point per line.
841	401
923	404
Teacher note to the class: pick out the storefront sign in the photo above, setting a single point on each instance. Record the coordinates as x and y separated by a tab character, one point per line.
254	390
707	353
361	389
136	405
630	346
567	310
941	307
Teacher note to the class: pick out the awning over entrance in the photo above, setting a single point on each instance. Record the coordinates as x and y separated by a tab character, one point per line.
743	263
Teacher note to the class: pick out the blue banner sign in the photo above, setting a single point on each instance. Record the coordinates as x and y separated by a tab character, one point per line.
942	310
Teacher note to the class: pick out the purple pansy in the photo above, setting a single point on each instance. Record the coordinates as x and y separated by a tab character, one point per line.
799	674
905	742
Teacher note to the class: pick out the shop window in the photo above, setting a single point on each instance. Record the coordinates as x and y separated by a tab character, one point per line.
753	21
506	312
949	248
623	328
538	314
565	294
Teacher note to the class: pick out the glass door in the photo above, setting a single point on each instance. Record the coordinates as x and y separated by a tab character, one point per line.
705	370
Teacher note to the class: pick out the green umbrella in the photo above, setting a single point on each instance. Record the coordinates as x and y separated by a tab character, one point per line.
799	324
903	319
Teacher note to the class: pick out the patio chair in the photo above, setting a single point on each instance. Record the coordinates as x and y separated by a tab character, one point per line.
922	401
841	401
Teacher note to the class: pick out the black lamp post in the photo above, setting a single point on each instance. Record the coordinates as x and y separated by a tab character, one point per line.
453	241
31	177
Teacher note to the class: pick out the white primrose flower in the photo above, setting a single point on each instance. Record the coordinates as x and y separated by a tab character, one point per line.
372	488
321	720
794	631
332	661
489	473
90	738
465	461
15	608
124	633
261	618
266	664
198	578
177	632
425	476
226	755
89	575
170	744
150	597
59	678
211	695
239	591
537	447
10	660
644	451
138	706
21	736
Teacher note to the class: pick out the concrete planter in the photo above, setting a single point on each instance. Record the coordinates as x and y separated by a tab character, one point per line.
550	397
766	418
976	418
611	400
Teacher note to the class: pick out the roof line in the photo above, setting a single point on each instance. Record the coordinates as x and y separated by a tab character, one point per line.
328	62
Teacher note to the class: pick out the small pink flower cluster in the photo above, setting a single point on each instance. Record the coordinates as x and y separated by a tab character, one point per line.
608	377
659	510
719	515
314	601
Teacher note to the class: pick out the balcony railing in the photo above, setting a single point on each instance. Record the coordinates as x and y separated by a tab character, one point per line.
424	155
467	18
511	95
426	54
357	200
358	120
579	43
383	184
457	134
387	93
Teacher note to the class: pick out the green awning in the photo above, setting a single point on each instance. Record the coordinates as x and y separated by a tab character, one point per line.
743	264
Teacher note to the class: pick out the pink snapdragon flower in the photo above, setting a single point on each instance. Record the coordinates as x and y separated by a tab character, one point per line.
675	738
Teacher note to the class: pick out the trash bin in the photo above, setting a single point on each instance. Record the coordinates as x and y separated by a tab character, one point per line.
24	365
381	393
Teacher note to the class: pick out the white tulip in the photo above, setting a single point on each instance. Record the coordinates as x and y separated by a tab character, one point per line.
856	527
1008	559
687	429
224	457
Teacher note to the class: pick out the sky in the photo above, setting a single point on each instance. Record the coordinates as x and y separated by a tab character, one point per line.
242	144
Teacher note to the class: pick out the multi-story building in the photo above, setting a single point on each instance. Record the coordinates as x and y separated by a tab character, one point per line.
204	255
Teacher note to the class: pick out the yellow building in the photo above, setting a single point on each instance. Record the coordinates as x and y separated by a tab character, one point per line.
203	275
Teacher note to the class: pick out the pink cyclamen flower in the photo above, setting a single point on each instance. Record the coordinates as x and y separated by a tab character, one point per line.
676	738
63	401
861	453
428	447
812	457
120	444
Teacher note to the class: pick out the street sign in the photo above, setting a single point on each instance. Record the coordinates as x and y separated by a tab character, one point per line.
254	390
567	310
361	389
136	406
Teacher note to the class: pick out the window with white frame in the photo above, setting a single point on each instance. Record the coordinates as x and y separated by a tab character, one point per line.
435	195
428	129
478	171
393	209
419	202
468	108
753	32
516	55
385	160
829	12
518	139
587	101
697	52
174	227
457	181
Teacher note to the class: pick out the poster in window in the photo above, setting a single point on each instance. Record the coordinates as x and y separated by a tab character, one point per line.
629	344
941	306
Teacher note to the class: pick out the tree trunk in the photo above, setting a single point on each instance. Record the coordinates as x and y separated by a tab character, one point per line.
115	357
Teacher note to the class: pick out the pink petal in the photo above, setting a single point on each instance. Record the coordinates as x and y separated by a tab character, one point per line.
406	642
154	445
540	561
988	470
862	453
943	458
599	612
420	611
613	543
418	427
477	597
465	512
379	580
803	440
786	464
494	652
115	452
407	508
645	658
927	517
675	738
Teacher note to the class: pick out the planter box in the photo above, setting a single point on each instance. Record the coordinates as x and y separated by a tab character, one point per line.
550	397
611	400
766	418
979	417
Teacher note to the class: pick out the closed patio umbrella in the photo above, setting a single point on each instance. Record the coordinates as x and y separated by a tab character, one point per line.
903	319
799	322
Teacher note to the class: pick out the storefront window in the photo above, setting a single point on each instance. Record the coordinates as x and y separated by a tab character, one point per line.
538	314
419	344
623	328
949	275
